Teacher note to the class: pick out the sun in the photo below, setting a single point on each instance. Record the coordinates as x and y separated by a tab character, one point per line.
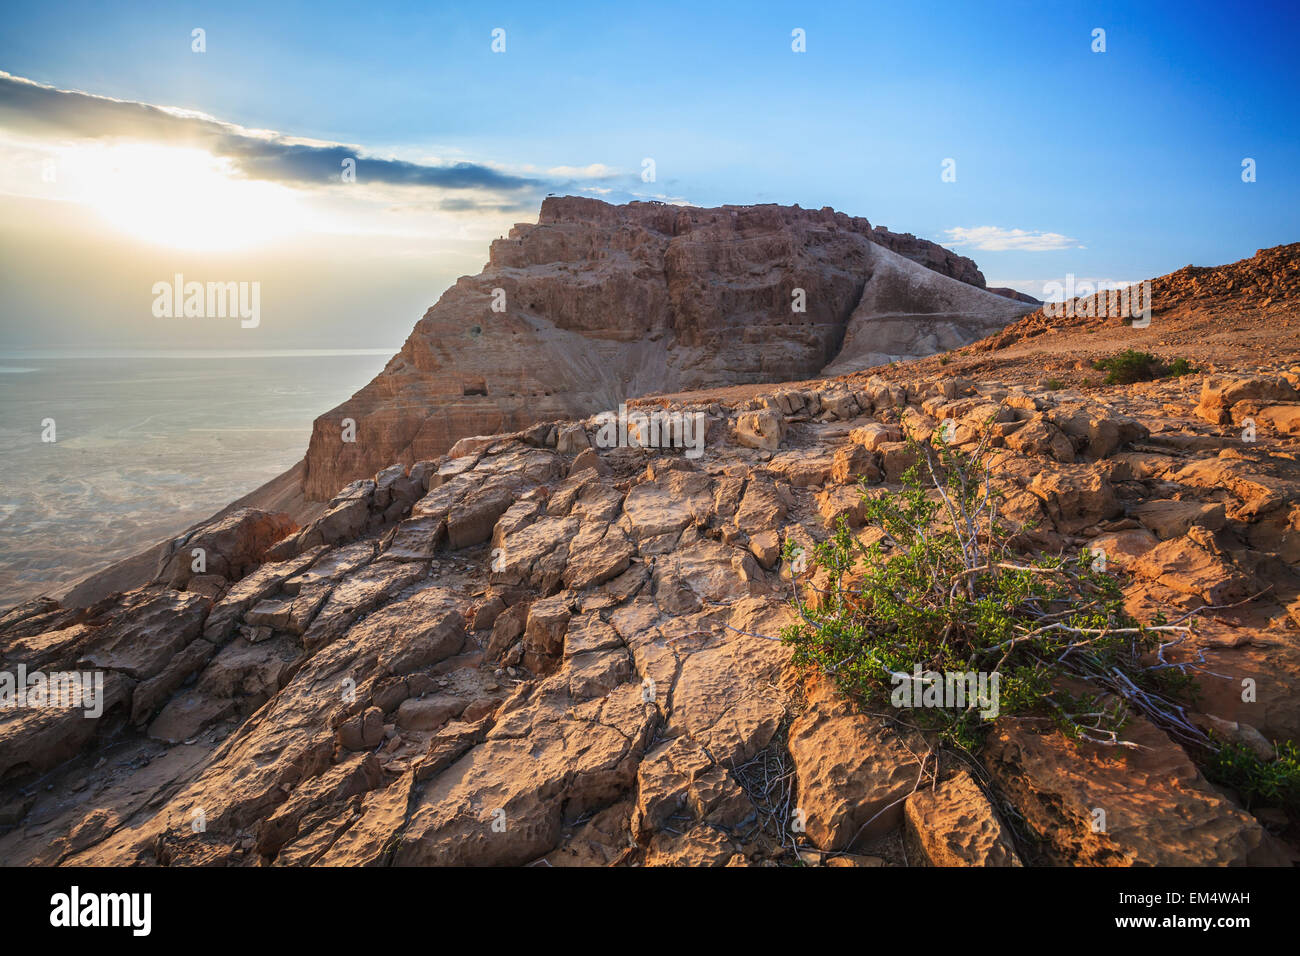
178	197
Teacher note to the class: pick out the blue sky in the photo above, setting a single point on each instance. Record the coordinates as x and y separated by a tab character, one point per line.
1122	165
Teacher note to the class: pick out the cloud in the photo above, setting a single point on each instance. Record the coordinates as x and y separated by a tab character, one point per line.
466	204
414	191
590	171
996	239
47	112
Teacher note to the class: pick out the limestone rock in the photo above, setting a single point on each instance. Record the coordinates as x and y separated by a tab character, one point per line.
1220	393
1075	496
229	546
1156	808
854	463
955	825
1172	519
1194	565
854	771
762	429
874	434
1041	438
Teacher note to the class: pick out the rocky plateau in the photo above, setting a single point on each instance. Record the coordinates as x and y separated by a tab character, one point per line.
597	304
499	644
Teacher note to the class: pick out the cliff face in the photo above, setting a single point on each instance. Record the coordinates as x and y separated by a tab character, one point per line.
596	304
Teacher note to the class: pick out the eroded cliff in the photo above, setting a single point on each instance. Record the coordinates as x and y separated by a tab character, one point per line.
596	304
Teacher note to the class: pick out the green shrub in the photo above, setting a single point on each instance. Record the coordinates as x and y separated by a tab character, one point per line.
943	590
1274	783
1132	366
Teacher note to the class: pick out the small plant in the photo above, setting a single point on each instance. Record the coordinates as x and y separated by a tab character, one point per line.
1054	385
1273	783
1132	366
942	592
943	359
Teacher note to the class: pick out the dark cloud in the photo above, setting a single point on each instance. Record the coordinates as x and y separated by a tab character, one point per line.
459	204
41	110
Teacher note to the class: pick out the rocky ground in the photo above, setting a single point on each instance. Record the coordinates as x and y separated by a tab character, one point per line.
533	651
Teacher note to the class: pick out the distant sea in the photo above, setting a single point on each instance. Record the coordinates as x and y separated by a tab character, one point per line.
146	444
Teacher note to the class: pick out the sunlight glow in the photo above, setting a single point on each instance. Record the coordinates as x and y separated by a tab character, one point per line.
176	197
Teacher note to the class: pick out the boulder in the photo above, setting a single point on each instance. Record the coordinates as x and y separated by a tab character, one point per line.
1041	438
1220	393
763	429
954	824
854	770
854	463
895	459
507	629
1172	519
572	439
547	623
428	713
1075	497
1196	566
230	546
1106	806
873	434
1097	431
1122	548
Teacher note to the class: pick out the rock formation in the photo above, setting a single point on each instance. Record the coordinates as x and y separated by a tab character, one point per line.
532	648
1014	294
597	304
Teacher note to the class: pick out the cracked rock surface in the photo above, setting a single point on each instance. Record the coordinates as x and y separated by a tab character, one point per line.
532	650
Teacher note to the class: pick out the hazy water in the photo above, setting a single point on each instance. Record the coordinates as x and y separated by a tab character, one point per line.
146	444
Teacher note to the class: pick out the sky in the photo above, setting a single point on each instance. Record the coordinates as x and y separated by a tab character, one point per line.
128	155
